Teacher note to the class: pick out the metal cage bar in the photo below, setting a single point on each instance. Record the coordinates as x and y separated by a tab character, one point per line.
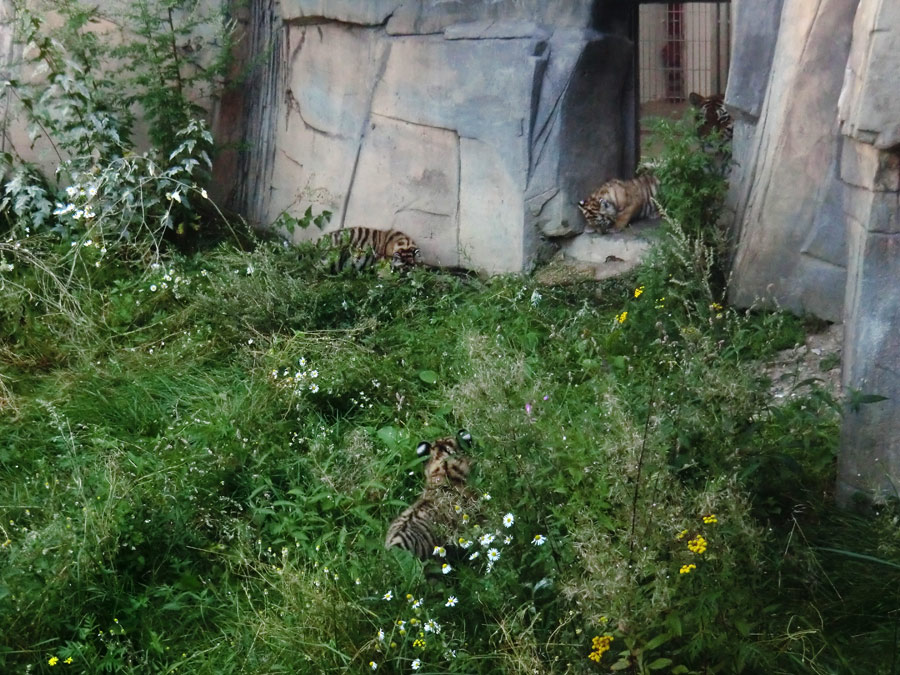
683	47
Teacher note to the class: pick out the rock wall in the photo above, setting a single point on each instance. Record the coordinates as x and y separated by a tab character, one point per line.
814	195
791	248
473	126
869	112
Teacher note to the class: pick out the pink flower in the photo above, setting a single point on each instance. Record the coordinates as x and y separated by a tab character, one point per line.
528	409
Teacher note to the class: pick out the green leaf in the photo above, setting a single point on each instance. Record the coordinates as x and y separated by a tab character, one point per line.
428	376
659	663
656	642
389	435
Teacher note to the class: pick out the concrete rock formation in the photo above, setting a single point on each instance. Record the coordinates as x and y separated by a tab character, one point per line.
813	89
473	126
870	173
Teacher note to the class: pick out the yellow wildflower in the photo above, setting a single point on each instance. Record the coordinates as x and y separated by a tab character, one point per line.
697	545
687	569
681	535
711	518
600	645
638	291
53	660
621	317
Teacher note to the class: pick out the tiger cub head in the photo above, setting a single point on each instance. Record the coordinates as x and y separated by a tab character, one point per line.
446	465
599	210
404	253
712	114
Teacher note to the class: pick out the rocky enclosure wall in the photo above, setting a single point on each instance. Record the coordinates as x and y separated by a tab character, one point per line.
814	194
473	126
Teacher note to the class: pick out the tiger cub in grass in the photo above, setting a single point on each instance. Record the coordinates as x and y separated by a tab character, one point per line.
432	519
617	202
360	247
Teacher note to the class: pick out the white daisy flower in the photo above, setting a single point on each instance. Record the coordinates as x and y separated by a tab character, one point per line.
539	540
445	568
508	520
388	595
451	601
440	551
416	664
493	555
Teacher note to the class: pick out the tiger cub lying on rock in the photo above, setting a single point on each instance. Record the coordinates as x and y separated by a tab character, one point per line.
618	202
361	247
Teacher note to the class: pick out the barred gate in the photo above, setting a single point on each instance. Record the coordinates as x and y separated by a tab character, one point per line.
682	47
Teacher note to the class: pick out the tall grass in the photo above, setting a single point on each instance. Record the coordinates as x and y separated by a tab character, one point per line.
181	493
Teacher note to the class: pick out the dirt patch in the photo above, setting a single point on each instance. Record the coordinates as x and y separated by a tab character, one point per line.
817	362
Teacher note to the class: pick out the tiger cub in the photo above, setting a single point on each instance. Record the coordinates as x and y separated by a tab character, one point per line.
714	116
360	247
618	202
431	519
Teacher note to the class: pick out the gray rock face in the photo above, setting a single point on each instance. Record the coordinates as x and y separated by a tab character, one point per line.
871	98
473	126
870	170
754	36
816	197
788	218
421	17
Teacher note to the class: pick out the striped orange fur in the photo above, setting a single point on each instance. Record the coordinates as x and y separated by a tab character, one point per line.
361	247
431	520
714	116
617	202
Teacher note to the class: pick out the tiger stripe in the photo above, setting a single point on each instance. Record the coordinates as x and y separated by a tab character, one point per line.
618	202
429	521
360	247
714	116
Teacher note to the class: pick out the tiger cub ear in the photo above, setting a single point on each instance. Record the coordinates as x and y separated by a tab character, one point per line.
465	438
423	448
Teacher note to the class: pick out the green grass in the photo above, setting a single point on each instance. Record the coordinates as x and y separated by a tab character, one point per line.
172	494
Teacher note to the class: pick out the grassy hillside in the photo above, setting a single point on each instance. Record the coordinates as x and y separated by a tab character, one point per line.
200	459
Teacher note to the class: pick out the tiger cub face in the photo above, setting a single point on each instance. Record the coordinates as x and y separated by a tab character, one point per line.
446	465
713	114
403	253
618	202
598	210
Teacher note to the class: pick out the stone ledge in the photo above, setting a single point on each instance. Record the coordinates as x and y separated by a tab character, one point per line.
495	30
612	254
368	13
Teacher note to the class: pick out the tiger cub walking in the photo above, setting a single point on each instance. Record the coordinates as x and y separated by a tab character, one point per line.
618	202
360	247
431	519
